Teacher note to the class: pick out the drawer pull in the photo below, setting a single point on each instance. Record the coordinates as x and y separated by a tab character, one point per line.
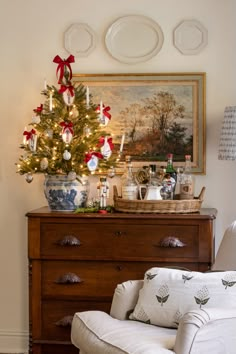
69	240
119	233
171	242
65	321
69	278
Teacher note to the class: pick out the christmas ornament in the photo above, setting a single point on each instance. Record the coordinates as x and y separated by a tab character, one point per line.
67	131
44	164
107	147
28	177
72	175
104	115
39	109
36	119
68	94
48	133
31	139
66	155
92	160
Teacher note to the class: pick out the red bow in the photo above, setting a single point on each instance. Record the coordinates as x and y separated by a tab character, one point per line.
104	111
38	109
61	66
89	156
29	134
67	87
109	140
67	125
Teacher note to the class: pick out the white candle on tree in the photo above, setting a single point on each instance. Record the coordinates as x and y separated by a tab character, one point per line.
50	101
122	143
87	96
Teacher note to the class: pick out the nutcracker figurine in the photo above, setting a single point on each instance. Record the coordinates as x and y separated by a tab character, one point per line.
103	192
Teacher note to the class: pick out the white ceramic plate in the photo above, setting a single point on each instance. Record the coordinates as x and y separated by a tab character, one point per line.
134	39
190	37
80	40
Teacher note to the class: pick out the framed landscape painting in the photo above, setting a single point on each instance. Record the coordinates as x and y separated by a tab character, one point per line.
156	113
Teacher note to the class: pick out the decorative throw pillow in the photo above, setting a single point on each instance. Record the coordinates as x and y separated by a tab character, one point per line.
167	294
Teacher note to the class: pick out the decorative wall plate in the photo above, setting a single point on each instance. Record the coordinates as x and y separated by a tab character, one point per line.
80	40
190	37
134	39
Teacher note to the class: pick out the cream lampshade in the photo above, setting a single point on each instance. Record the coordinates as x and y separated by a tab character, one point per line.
225	258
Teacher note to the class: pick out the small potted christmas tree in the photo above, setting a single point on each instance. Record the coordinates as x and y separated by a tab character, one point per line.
66	140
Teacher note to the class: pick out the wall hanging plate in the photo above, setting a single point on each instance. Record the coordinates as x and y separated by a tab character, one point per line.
190	37
80	40
134	39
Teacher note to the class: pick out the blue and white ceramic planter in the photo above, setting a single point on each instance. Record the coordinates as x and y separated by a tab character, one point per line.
64	194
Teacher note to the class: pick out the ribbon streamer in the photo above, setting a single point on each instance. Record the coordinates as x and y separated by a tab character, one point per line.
109	140
29	134
38	109
61	66
67	87
67	125
89	156
104	111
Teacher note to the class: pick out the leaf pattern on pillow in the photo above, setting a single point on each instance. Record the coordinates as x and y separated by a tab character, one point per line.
185	277
142	316
202	296
150	276
163	294
177	317
229	280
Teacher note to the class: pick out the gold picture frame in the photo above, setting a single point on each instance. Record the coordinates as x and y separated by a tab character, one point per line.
158	113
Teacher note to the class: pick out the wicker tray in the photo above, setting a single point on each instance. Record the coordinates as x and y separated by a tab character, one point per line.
158	206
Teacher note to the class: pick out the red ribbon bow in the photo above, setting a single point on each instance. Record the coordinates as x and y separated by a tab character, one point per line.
38	109
104	111
109	140
61	66
67	87
29	134
90	154
67	125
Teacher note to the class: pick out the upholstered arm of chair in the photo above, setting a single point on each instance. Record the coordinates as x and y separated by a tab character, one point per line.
125	298
207	331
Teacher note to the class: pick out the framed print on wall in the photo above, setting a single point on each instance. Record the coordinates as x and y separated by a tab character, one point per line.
157	113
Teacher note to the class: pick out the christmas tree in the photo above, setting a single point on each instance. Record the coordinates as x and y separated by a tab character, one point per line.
67	133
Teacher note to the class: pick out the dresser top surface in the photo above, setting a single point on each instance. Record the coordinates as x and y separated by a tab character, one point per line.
45	212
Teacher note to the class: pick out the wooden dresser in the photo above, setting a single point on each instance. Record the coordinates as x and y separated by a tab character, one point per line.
76	261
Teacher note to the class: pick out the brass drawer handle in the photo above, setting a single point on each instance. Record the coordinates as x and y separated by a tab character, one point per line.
69	278
65	321
171	242
69	240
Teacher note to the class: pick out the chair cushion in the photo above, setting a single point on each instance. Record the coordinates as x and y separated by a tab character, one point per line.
167	294
96	332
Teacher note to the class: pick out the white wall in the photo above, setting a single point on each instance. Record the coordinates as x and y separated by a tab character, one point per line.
31	34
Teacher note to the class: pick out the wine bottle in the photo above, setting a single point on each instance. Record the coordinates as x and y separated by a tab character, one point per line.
129	186
187	180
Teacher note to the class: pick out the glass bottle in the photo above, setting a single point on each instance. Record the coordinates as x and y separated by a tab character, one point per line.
129	186
187	180
169	180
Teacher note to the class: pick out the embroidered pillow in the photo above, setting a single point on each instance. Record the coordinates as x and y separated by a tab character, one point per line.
168	294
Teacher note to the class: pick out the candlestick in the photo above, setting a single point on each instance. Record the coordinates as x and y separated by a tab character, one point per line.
87	97
101	111
50	101
122	143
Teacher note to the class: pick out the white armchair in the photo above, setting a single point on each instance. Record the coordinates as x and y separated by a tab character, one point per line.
205	331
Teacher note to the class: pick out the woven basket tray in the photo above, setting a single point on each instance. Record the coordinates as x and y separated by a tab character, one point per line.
158	206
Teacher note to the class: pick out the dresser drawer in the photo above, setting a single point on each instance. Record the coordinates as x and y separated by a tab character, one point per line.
57	317
90	280
111	241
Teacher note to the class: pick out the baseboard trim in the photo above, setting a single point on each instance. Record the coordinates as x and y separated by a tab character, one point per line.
14	342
